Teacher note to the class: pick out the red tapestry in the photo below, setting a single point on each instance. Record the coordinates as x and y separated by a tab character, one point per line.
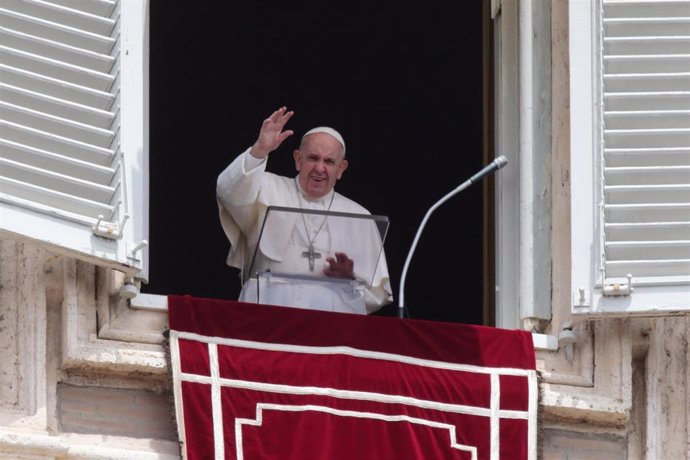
262	382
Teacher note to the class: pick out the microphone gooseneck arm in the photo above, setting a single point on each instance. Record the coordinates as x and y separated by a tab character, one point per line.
498	163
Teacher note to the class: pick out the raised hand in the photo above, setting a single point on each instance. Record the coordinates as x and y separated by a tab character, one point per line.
271	134
340	267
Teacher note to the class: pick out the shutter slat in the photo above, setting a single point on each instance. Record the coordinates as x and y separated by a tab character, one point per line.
57	14
649	268
638	45
102	8
646	100
646	212
647	175
653	62
60	51
48	141
643	231
640	194
56	69
647	157
65	108
62	33
648	82
51	180
55	162
57	125
32	193
647	138
650	119
648	27
644	9
639	250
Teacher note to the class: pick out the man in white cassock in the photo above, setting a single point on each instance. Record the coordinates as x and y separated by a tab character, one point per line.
302	243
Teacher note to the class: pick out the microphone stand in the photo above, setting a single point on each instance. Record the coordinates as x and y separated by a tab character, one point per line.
498	163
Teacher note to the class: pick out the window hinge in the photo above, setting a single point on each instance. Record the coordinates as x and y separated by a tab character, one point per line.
106	229
581	298
618	289
112	230
132	252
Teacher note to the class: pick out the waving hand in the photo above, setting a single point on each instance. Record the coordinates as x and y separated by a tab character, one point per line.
272	134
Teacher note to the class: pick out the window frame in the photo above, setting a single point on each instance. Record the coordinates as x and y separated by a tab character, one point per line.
523	135
587	196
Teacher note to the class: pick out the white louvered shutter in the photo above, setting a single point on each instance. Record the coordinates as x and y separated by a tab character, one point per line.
646	141
73	127
640	160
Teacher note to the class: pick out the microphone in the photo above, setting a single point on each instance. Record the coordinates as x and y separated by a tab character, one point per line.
495	165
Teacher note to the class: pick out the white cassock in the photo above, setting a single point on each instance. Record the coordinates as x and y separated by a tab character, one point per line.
245	191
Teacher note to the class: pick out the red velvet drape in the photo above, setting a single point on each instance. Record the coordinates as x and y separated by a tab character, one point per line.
301	384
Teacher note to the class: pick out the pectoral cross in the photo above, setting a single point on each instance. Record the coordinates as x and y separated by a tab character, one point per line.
311	254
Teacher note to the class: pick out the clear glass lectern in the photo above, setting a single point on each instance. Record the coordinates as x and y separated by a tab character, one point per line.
293	250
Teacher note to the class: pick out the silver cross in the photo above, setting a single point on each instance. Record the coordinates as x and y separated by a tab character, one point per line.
311	254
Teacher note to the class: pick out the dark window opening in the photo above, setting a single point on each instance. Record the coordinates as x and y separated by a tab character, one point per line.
402	83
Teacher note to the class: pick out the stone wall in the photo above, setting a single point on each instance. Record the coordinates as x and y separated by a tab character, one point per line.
82	375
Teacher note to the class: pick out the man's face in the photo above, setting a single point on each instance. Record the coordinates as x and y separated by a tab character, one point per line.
320	163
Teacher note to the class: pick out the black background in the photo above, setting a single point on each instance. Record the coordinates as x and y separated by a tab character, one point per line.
402	83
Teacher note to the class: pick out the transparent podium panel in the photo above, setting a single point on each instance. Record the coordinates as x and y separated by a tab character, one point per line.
321	260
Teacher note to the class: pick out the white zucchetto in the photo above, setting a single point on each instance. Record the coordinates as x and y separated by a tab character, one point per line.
327	130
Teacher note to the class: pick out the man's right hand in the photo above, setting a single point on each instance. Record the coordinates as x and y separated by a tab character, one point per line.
272	134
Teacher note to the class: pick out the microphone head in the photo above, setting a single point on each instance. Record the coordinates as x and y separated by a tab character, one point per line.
501	161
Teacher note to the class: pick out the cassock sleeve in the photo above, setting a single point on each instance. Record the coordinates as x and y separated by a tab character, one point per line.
237	190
